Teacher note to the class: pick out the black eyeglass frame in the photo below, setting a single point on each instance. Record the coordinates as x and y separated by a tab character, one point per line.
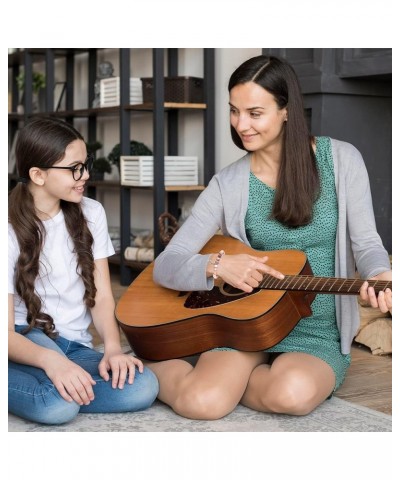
78	169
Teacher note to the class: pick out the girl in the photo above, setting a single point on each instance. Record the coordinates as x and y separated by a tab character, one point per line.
59	282
290	191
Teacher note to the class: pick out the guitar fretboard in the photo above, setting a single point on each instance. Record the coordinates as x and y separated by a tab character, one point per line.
310	283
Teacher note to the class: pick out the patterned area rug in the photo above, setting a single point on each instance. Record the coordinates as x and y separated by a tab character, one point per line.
334	415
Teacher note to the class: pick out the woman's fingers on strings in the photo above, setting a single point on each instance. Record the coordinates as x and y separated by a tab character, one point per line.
264	268
388	298
385	301
364	294
372	297
381	300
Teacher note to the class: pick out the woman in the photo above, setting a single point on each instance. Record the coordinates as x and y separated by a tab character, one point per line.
58	282
290	191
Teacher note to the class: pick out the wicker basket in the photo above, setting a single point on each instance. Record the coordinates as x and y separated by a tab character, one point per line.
176	89
168	226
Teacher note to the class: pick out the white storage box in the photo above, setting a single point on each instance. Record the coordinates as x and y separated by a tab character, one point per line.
138	171
109	91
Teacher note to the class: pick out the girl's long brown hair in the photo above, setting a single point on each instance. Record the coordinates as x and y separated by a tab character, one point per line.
43	141
298	182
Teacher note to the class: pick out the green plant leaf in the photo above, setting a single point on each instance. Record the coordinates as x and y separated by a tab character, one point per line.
136	148
38	81
102	165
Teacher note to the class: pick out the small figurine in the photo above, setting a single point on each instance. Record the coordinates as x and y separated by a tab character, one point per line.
106	70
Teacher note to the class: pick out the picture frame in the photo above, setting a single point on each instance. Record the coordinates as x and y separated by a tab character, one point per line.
59	89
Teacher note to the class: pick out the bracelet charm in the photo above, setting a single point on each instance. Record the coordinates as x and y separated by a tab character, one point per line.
216	263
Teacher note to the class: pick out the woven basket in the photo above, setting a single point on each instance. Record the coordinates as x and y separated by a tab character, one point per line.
176	90
168	226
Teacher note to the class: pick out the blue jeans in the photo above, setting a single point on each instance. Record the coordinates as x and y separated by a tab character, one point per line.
32	395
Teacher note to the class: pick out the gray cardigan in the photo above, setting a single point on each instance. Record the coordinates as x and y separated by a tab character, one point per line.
223	205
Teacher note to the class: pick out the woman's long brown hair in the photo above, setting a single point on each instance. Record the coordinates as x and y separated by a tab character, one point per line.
43	141
298	182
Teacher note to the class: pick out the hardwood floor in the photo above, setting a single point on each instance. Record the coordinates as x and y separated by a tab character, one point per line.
369	379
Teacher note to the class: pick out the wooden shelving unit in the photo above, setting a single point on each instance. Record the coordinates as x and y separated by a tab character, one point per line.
158	107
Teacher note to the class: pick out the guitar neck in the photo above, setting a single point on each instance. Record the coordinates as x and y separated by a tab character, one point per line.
309	283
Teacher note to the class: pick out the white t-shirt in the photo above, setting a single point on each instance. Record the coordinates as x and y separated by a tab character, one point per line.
58	285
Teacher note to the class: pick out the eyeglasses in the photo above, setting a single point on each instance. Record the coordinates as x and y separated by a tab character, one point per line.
78	169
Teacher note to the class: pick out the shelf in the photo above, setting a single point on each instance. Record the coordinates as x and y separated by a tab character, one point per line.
15	116
82	113
17	58
110	111
165	128
184	188
104	183
117	184
170	188
167	106
116	260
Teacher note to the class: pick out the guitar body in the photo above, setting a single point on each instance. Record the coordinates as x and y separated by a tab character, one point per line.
161	323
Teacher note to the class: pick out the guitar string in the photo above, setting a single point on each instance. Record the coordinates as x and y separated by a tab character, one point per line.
290	282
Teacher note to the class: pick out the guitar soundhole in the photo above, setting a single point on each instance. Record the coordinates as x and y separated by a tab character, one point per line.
217	296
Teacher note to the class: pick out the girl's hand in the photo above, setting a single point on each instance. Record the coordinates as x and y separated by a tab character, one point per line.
384	299
121	366
245	271
72	381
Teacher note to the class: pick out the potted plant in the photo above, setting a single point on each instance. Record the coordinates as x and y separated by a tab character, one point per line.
136	148
38	83
92	147
100	167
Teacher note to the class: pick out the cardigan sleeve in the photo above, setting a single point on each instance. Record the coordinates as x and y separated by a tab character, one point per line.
180	266
357	241
370	256
221	206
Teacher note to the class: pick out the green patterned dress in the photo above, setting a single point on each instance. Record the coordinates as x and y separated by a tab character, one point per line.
317	335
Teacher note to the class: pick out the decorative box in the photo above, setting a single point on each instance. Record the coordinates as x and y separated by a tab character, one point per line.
110	91
176	90
138	171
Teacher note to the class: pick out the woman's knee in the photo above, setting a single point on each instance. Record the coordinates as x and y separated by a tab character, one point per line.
294	393
204	402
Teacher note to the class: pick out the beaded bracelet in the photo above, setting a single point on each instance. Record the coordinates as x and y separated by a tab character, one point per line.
216	263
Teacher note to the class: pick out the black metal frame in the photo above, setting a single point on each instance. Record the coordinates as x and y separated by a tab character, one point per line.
162	201
159	194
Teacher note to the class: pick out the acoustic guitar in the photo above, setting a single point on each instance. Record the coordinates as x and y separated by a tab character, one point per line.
162	323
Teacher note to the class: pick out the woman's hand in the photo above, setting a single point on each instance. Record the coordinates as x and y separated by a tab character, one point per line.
71	380
245	271
121	366
384	299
